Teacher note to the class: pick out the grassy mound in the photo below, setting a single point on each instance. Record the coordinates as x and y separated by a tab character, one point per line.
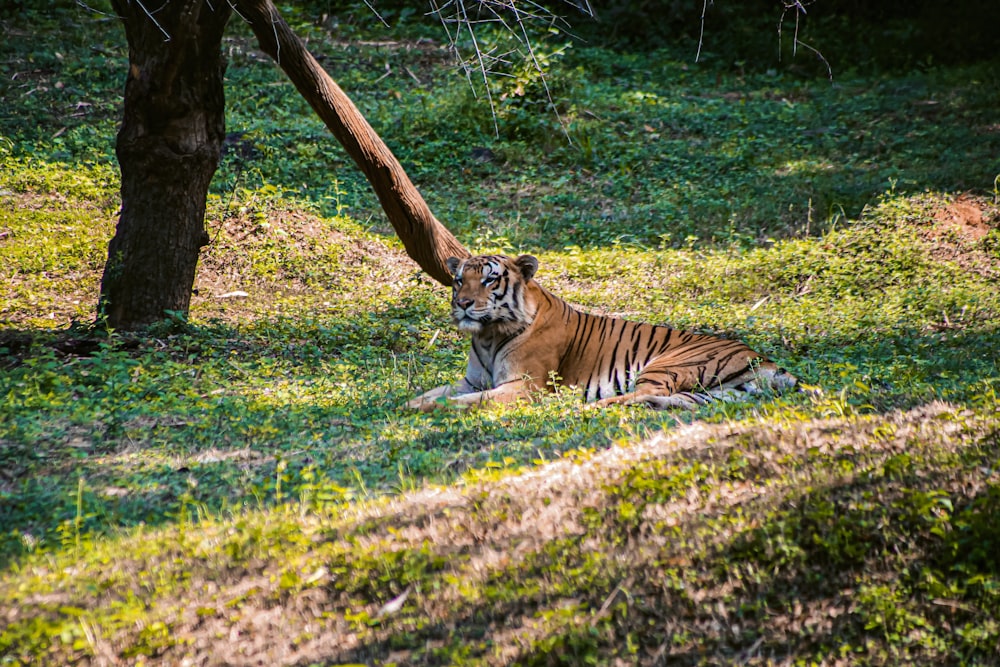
849	539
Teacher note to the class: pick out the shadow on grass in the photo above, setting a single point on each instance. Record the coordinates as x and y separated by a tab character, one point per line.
654	146
795	569
880	551
101	436
734	160
204	419
146	425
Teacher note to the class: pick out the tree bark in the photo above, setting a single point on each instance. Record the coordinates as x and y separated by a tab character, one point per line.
168	147
426	240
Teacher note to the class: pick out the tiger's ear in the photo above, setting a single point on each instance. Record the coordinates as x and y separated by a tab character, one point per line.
452	263
528	265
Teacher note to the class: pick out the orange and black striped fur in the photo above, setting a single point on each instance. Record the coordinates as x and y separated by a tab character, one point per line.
522	335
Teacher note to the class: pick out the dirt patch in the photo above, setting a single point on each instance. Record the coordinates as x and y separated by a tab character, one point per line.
49	201
967	217
958	234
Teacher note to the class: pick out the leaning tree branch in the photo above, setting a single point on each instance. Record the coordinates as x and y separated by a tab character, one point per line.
426	240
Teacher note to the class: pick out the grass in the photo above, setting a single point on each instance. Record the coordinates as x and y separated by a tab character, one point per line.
242	485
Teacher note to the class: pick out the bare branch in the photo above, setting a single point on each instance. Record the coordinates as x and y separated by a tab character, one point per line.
166	35
93	10
541	72
829	70
375	12
799	8
701	33
482	64
516	18
426	240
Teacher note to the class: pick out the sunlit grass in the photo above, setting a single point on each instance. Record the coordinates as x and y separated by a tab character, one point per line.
246	475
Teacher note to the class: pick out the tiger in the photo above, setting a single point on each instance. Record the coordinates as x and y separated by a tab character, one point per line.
526	340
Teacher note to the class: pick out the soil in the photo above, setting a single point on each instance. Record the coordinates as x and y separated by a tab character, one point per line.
958	234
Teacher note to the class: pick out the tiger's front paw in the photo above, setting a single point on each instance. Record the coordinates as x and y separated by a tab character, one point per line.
422	404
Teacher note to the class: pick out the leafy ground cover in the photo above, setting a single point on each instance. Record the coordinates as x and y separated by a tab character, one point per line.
242	487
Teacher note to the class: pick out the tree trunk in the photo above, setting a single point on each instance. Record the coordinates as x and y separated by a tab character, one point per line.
426	240
169	147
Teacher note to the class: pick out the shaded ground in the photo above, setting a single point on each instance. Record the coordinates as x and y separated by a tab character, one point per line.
706	544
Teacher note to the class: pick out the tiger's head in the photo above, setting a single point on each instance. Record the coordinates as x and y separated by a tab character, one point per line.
488	292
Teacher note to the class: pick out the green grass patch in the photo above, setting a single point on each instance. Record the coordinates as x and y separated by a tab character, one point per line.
244	478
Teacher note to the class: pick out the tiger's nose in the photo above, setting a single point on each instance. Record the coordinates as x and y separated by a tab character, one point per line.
463	303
